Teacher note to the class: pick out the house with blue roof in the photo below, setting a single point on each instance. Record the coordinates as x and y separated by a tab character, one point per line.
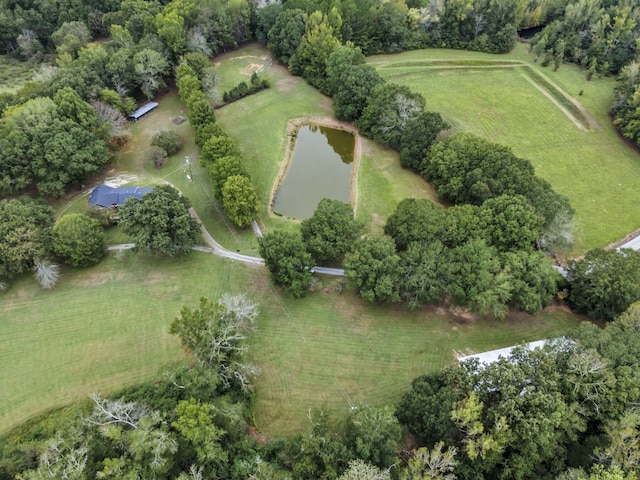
111	197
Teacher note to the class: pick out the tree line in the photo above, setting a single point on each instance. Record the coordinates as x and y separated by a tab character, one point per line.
218	152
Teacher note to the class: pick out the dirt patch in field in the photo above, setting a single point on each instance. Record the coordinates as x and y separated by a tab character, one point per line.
252	67
98	278
179	120
287	84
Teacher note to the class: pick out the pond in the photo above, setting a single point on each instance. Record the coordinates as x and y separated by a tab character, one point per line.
320	167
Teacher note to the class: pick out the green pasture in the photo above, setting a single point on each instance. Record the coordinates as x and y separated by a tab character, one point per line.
13	74
335	351
259	124
597	171
106	327
101	328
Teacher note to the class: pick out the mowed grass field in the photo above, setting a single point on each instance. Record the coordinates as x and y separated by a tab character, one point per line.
101	328
259	124
106	327
594	168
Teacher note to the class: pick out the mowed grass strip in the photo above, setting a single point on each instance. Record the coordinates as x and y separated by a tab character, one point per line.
101	328
597	171
334	351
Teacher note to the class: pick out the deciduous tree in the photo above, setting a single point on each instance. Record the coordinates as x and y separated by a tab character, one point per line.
25	235
331	231
605	282
160	222
78	239
372	269
288	261
240	200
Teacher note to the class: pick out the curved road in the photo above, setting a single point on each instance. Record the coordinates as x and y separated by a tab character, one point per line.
216	249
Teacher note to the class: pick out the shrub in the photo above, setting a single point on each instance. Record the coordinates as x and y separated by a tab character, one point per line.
157	156
168	140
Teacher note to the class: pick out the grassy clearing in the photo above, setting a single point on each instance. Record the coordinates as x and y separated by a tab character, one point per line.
13	74
106	327
259	124
102	328
595	169
334	351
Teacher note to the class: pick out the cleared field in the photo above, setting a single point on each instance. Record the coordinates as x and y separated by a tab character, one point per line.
502	98
106	327
259	124
335	351
101	329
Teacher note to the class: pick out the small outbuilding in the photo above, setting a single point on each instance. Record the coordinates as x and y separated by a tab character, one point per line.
110	197
143	111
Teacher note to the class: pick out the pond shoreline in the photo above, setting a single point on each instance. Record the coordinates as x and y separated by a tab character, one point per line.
293	125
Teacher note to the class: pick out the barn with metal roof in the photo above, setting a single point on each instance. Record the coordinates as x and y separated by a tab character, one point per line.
143	110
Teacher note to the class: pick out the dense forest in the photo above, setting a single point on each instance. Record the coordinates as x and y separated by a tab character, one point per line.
568	411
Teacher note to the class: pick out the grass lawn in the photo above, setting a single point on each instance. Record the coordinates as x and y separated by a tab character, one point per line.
13	74
333	350
102	328
106	327
259	124
597	171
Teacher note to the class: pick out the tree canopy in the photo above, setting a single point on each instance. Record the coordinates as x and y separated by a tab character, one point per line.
160	222
605	282
288	261
78	239
25	235
331	231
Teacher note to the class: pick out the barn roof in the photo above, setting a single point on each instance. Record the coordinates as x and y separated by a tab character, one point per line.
143	110
492	356
106	196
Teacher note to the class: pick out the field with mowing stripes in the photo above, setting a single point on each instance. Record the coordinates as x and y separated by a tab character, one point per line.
513	101
106	327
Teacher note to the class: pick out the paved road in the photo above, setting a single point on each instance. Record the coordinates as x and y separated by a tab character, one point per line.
216	249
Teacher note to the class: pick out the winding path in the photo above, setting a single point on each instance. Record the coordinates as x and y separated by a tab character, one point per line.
216	249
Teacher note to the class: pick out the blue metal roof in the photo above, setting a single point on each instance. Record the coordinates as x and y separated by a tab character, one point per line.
146	108
106	196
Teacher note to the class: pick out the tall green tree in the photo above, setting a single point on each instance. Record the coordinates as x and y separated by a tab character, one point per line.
605	282
468	169
222	169
240	200
371	269
286	34
373	434
25	235
78	239
331	231
160	222
312	55
389	111
288	261
417	138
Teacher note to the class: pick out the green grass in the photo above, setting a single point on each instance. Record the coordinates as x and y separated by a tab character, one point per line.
334	351
597	171
13	74
259	124
106	327
101	328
